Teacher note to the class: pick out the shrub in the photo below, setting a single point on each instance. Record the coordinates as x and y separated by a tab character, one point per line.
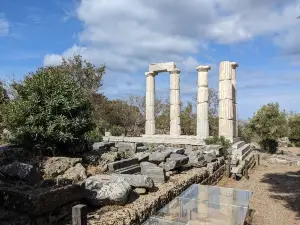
219	141
294	129
116	131
268	124
94	136
49	110
270	145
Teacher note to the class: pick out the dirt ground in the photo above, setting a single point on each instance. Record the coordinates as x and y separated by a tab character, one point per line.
276	192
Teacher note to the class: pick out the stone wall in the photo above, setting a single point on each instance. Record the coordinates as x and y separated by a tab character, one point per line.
146	205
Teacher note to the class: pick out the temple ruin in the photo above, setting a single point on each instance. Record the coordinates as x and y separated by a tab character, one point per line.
228	121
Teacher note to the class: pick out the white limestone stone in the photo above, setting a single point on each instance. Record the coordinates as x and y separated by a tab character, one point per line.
225	101
225	71
225	89
150	103
162	67
226	109
175	129
202	95
234	65
202	102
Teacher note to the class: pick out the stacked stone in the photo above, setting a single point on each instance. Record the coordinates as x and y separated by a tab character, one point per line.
202	102
234	65
150	103
225	101
175	129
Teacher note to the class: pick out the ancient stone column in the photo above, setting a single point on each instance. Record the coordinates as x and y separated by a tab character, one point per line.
225	101
175	129
202	102
234	65
150	103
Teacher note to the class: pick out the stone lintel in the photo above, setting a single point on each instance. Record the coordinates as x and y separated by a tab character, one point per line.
234	65
162	67
203	68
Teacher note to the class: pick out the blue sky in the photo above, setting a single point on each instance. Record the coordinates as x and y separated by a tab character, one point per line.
262	36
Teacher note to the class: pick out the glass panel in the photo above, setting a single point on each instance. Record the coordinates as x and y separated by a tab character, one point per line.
229	196
191	211
204	205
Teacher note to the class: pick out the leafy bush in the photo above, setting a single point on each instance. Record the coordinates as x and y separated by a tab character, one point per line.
270	145
116	131
94	135
294	129
219	141
268	124
49	110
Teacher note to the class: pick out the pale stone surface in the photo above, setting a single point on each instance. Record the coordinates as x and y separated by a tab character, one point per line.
202	102
162	67
175	129
150	103
225	101
234	65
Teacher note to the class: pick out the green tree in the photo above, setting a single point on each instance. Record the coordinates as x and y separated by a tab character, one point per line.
4	99
84	73
188	120
269	123
294	129
50	110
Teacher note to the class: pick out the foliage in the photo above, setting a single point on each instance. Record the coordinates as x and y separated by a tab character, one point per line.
94	135
49	109
85	74
294	127
269	124
4	99
116	130
218	141
188	120
244	132
269	145
162	116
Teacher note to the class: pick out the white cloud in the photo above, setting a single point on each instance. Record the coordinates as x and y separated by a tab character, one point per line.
128	35
4	26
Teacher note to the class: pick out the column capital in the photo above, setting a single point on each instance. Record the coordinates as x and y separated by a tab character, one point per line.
175	71
203	68
151	74
234	65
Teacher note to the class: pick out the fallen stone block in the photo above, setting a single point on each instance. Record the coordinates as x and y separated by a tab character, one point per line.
134	169
114	192
103	146
238	145
142	149
157	174
241	151
127	148
175	161
76	173
147	164
142	156
278	161
39	201
112	167
22	171
140	191
158	157
111	156
137	181
174	150
195	157
55	166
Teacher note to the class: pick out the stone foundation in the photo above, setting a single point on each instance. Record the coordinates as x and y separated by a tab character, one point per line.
138	211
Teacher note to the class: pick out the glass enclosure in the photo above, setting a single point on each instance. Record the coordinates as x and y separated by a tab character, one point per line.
205	205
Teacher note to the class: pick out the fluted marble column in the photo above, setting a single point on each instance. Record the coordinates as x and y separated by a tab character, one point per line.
234	65
202	102
175	128
225	101
150	103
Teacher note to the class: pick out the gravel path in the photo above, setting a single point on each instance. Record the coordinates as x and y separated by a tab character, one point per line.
276	193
